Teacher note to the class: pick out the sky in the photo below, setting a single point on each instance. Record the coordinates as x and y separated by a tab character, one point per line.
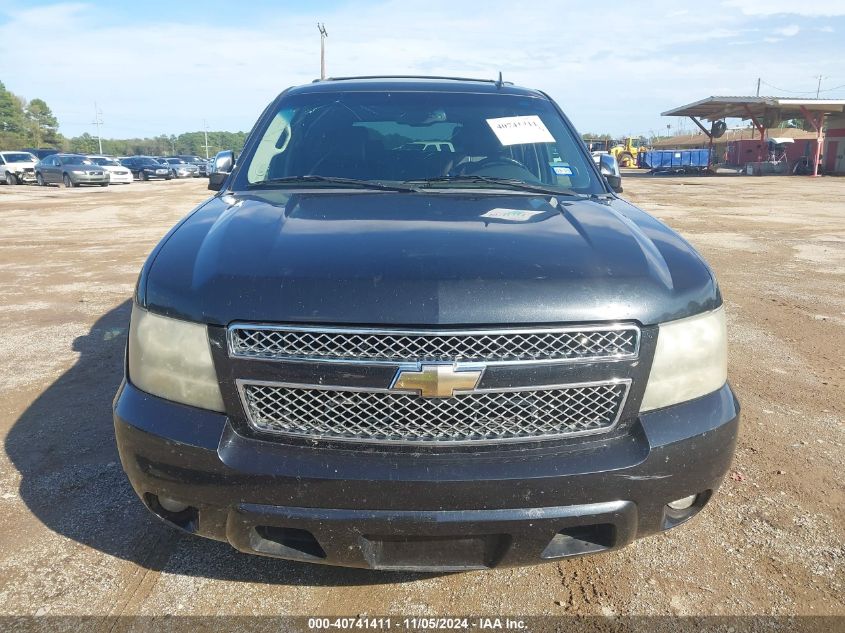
163	67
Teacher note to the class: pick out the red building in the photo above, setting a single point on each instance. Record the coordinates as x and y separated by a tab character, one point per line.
834	147
774	149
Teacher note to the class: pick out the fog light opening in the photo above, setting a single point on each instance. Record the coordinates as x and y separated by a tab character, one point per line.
179	514
681	510
683	503
171	505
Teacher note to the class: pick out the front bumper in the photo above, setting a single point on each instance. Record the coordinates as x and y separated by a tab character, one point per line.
116	179
154	174
25	176
88	179
423	511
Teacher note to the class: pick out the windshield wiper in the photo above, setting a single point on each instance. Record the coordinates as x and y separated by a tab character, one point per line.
332	180
512	183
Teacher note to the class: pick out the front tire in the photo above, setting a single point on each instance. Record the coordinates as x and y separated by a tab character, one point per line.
625	160
11	179
68	182
142	176
39	179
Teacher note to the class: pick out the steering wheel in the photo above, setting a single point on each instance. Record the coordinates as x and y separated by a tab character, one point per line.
505	165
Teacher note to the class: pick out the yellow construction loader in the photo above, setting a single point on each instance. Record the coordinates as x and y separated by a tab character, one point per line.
627	150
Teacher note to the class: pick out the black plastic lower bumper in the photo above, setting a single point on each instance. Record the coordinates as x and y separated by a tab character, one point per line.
449	511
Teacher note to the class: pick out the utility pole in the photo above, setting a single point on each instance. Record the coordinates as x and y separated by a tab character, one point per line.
758	86
323	36
819	87
205	130
98	121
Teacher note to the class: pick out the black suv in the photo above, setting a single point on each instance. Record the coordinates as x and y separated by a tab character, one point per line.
417	329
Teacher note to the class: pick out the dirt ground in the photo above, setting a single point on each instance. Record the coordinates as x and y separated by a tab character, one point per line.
75	540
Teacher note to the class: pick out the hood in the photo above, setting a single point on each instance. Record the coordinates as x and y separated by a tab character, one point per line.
423	259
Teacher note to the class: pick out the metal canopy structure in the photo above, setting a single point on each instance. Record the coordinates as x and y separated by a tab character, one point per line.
763	112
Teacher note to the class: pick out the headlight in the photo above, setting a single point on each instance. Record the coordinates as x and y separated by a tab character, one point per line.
171	359
691	360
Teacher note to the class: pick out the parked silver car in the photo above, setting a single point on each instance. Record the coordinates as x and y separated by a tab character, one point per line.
178	167
71	170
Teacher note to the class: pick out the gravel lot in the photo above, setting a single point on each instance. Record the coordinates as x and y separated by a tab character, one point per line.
75	540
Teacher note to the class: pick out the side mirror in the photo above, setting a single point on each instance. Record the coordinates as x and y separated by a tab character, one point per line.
609	168
222	166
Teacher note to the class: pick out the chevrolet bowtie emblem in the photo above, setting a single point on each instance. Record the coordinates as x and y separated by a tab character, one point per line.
436	381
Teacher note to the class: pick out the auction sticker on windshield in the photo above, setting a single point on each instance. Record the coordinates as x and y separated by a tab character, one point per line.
516	130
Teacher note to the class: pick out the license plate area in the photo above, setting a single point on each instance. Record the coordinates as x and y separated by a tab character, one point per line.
428	553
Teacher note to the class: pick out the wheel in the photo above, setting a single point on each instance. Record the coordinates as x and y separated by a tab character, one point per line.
104	184
39	179
142	175
11	179
68	182
168	177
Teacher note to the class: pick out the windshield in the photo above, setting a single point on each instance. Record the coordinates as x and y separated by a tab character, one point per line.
22	157
103	162
435	139
151	162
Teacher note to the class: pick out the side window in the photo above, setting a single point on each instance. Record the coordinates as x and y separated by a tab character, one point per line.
274	142
2	161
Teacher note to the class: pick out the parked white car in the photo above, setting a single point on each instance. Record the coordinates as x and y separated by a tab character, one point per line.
118	174
17	167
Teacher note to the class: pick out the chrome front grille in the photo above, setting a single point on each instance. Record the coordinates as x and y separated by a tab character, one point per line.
389	417
401	346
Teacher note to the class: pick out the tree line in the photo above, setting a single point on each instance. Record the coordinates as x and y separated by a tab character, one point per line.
32	123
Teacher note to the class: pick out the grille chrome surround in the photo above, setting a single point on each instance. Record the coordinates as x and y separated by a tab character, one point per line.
492	347
382	416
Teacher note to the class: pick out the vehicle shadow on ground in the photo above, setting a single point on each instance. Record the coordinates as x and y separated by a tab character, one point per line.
63	445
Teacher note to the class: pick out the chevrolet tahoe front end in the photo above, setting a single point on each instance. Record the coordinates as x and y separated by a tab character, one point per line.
361	355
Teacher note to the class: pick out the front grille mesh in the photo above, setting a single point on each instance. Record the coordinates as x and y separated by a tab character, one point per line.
489	347
407	418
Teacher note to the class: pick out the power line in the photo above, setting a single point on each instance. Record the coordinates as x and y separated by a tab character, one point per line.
802	92
797	92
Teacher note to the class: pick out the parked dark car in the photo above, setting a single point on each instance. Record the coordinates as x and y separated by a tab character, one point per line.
146	168
71	170
457	360
41	152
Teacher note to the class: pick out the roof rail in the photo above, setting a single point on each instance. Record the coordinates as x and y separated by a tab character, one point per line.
438	77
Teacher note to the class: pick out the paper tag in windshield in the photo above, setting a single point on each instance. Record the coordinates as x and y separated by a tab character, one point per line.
514	215
516	130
